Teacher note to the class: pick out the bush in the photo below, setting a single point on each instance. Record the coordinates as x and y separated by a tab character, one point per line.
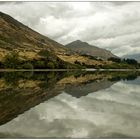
77	62
131	61
11	60
27	66
50	65
39	64
114	59
44	53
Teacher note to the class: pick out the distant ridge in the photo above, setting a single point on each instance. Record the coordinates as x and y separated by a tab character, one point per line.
85	48
133	56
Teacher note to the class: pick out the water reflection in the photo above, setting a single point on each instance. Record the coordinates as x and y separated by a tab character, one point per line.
69	104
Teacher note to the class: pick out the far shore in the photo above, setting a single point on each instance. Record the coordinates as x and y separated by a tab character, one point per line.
12	70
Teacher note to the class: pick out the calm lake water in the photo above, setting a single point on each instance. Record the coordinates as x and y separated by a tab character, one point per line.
70	104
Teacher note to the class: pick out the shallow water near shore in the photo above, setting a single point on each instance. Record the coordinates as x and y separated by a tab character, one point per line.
70	104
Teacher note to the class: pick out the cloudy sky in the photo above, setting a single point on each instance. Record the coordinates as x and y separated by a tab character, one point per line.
111	25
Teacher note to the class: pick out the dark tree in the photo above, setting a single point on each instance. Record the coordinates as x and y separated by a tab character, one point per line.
114	59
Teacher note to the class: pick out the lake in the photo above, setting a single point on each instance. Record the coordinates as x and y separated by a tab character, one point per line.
70	104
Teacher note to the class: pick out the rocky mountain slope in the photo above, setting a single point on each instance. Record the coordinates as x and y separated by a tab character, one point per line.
85	48
15	35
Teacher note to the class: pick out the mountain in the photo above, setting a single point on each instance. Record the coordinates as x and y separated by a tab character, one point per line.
30	45
85	48
14	34
35	48
133	56
23	48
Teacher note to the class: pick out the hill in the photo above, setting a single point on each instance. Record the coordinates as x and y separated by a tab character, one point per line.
30	45
85	48
15	35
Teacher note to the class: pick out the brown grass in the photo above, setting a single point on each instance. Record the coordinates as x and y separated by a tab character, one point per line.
82	59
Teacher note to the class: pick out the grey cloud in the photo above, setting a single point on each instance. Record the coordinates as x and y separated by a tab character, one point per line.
120	3
10	2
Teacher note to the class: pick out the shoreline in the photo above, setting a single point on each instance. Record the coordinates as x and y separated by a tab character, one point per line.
14	70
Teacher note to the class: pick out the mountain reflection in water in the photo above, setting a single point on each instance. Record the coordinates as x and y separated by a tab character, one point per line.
69	104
